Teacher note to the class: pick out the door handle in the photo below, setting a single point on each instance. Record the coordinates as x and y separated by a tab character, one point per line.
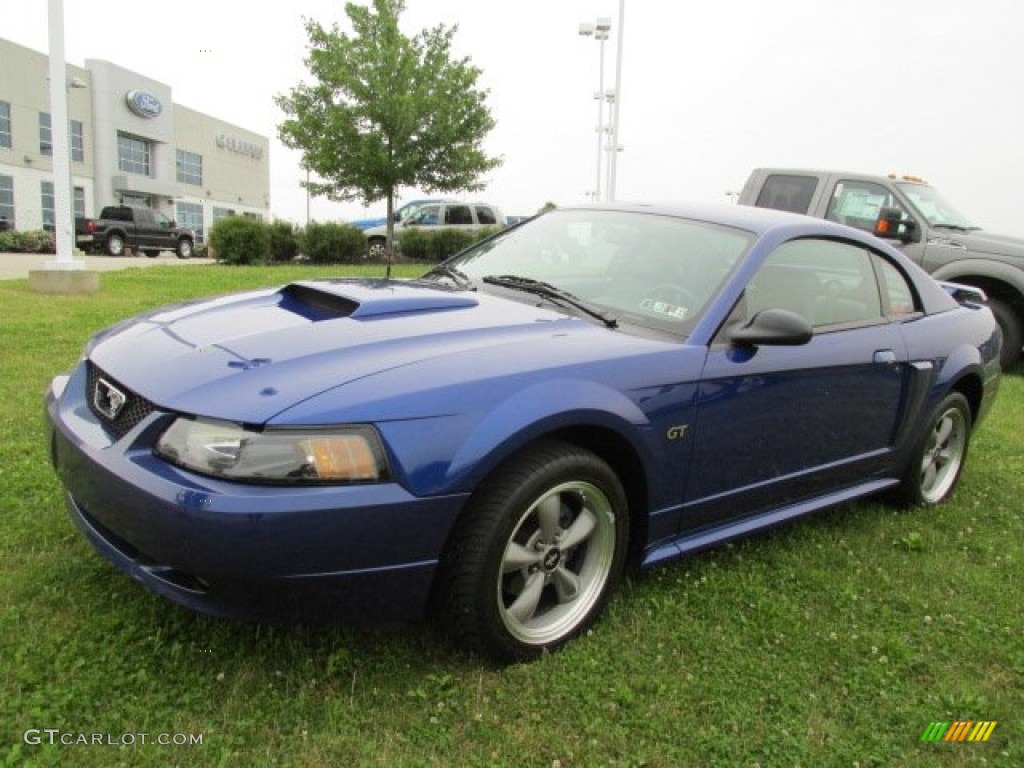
884	357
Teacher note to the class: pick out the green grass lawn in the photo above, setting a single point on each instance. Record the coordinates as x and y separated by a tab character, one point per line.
834	641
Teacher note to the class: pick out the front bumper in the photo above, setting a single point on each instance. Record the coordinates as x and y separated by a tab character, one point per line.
356	553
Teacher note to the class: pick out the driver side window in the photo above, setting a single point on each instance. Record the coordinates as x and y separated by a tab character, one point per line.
828	283
859	203
425	216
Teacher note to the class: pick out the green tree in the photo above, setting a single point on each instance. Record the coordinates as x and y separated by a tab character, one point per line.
387	111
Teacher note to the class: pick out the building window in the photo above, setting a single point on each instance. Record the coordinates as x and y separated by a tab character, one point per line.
45	134
190	215
133	198
222	213
49	215
46	137
134	155
6	202
77	142
5	124
190	168
49	204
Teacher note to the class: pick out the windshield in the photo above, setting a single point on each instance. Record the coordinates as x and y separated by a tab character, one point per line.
645	269
934	207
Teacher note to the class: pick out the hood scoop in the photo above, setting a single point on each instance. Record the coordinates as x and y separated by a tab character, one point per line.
331	299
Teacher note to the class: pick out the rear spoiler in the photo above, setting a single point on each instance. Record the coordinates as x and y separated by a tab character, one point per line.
964	294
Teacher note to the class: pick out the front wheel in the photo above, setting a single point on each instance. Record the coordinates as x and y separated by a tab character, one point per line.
537	554
184	249
1013	333
937	461
377	248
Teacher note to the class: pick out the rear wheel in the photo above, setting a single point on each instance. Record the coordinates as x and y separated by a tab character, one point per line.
114	245
935	467
539	550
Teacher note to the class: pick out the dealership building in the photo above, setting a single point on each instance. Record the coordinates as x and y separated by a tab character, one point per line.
129	143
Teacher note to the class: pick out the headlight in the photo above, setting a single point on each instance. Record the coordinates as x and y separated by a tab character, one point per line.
350	454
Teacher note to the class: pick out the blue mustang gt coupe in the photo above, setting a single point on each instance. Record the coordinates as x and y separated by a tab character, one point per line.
498	439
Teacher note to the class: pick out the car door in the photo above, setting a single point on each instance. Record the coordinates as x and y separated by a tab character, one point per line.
780	424
146	232
858	203
163	231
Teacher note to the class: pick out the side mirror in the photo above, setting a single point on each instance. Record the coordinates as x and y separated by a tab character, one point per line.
891	225
774	328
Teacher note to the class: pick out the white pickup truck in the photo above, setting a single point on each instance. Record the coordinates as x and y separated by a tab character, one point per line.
925	227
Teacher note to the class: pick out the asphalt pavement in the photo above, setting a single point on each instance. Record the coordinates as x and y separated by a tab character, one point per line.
14	266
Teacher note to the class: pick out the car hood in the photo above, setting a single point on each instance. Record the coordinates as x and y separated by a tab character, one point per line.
248	357
368	223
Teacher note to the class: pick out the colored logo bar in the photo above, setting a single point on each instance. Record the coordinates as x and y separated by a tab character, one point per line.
959	730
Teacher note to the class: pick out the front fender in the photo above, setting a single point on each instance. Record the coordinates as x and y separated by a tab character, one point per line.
541	409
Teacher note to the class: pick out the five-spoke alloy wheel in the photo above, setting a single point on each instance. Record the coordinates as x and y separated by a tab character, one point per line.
935	467
538	552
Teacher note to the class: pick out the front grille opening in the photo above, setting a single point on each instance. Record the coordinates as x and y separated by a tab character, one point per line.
129	415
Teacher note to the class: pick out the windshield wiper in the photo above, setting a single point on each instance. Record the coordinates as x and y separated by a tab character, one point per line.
549	291
457	276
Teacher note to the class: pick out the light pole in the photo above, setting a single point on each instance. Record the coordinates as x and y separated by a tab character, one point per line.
614	149
600	31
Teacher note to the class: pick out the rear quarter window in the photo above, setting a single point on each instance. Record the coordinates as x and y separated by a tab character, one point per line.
787	193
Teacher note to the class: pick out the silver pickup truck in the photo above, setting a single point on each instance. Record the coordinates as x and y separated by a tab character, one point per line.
926	227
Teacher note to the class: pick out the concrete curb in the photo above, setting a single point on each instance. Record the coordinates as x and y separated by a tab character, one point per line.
17	266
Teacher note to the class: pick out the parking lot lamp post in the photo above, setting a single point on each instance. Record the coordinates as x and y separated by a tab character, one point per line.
615	148
600	31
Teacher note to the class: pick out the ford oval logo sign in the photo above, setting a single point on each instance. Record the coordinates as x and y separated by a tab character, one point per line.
143	104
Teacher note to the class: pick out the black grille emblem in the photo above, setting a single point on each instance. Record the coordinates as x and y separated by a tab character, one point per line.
108	399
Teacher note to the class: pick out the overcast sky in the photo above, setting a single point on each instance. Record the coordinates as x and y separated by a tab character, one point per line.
709	90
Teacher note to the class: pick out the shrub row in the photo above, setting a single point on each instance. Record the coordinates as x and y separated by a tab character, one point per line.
30	241
242	240
438	245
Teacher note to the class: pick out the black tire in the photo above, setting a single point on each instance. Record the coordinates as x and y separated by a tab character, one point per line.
537	553
377	248
1013	334
184	248
938	459
114	245
151	254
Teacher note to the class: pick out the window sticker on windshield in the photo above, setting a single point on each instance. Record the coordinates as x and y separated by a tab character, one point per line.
665	308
